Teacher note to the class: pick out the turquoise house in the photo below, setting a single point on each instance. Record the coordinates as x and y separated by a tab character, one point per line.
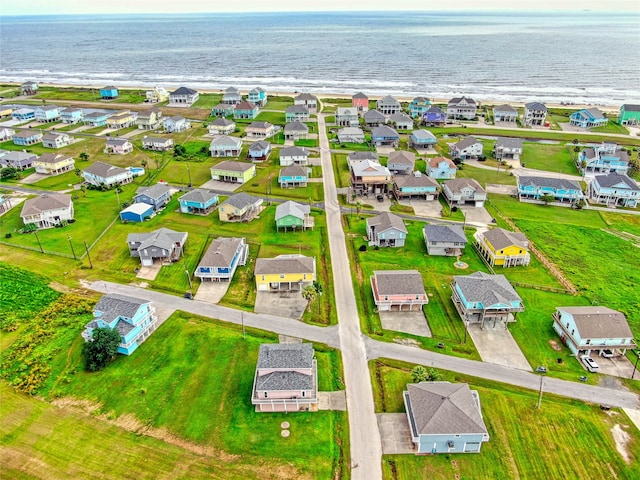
198	201
423	139
588	117
222	110
133	318
604	158
629	114
108	93
258	96
23	114
419	106
96	119
562	191
293	176
615	189
27	137
47	113
246	110
71	115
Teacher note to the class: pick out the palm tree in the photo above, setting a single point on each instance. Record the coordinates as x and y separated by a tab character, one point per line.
419	374
309	294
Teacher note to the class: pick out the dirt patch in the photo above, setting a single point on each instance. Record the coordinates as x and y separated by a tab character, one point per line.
85	406
622	438
555	345
410	342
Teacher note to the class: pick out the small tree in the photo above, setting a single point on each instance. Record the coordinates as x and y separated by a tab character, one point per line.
179	151
7	173
101	350
434	375
84	156
547	199
419	374
309	294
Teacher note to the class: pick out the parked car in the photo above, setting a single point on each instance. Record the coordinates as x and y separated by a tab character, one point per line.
590	363
606	353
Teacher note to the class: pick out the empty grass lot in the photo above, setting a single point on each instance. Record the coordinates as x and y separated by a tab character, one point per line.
89	95
563	439
552	158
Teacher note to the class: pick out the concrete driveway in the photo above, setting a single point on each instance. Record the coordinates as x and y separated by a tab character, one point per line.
211	292
282	304
617	366
413	322
220	186
332	400
496	345
423	208
149	272
477	216
395	433
501	189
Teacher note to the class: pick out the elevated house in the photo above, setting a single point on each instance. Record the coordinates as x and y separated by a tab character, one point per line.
360	101
588	118
233	172
109	93
294	156
96	118
25	138
198	201
444	418
19	160
434	116
298	113
136	212
285	273
56	140
28	88
419	106
286	378
295	131
124	119
507	148
462	108
466	149
259	151
351	135
157	195
118	146
293	176
23	114
162	246
481	298
368	176
240	207
47	210
505	114
415	185
501	248
54	164
358	156
156	95
441	168
590	330
101	173
134	319
384	136
629	114
225	146
388	106
563	191
6	111
615	190
398	290
462	191
373	118
71	115
260	130
221	260
308	100
604	158
422	139
176	124
223	110
47	113
183	97
401	162
444	240
157	144
294	216
401	121
258	96
535	114
245	110
231	96
386	230
150	119
222	126
347	117
6	134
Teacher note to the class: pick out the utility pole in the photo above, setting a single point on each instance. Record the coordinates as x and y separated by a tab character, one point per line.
118	196
635	367
71	245
540	394
38	239
88	256
186	270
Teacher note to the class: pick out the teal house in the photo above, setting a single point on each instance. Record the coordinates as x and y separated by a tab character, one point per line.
108	93
222	110
198	201
293	176
258	96
562	190
133	318
419	106
96	119
629	114
293	215
588	118
246	110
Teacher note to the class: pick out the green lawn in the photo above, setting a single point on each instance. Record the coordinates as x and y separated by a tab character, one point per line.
563	439
484	176
88	94
207	100
279	103
552	158
277	118
611	127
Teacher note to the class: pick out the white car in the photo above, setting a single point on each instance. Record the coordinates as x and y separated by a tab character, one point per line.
590	363
606	353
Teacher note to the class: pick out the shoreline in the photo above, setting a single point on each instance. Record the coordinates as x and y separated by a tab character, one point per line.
340	95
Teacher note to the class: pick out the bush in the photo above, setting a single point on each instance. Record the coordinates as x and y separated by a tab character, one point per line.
363	248
8	235
104	347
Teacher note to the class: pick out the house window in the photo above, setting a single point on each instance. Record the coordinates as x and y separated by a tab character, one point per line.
567	324
263	278
588	341
303	393
572	331
265	394
417	297
282	275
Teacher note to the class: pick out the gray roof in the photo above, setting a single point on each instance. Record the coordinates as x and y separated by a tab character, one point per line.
435	109
114	305
346	111
536	106
456	185
233	166
45	202
184	91
176	118
399	282
285	264
296	127
222	122
359	95
18	156
232	90
53	158
154	191
487	289
374	115
457	100
350	131
509	142
164	140
501	238
27	133
443	408
423	135
384	131
48	108
259	146
465	143
260	125
221	251
306	96
92	115
257	90
297	109
293	152
293	171
505	108
241	200
402	157
556	183
414	180
400	117
199	195
616	178
284	381
104	170
388	100
298	210
599	322
163	238
385	221
358	156
628	107
445	233
285	355
225	140
117	141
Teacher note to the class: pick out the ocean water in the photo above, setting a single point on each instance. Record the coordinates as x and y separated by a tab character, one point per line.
584	57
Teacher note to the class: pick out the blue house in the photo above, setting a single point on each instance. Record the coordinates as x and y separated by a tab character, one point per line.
157	195
198	201
136	212
133	318
23	114
444	418
96	119
441	168
415	185
109	93
257	96
419	106
259	151
434	116
27	137
604	158
562	191
223	110
47	113
246	110
293	176
423	139
588	117
384	136
221	259
615	189
71	115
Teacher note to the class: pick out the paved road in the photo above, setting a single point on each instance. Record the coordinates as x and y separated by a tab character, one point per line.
366	445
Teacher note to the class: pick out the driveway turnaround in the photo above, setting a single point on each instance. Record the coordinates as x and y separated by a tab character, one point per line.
496	345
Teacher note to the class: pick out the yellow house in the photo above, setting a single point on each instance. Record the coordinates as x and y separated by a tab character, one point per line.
53	163
122	119
285	273
500	247
5	111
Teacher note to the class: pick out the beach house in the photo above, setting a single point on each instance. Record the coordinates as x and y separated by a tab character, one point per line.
47	113
434	116
386	230
157	144
614	189
245	110
221	260
6	134
289	273
259	151
461	108
118	146
604	158
198	201
415	185
157	195
505	114
123	119
308	100
388	106
293	176
398	290
419	106
231	96
441	168
401	121
293	215
463	191
71	115
347	117
444	240
294	155
258	96
260	130
162	246
222	126
629	114
501	248
156	95
298	113
150	119
466	149
56	140
109	92
47	210
19	160
54	164
29	88
225	146
401	162
101	173
176	124
23	114
360	101
368	176
295	131
507	148
535	114
588	118
373	118
25	138
96	118
233	172
532	189
240	207
223	110
423	140
384	136
351	135
183	97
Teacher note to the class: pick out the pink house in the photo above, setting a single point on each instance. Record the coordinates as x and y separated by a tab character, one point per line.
360	101
286	378
397	289
118	146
